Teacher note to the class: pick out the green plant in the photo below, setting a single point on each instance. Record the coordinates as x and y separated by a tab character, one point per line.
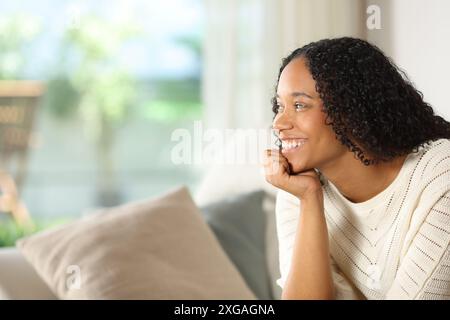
10	231
16	31
96	87
174	100
105	87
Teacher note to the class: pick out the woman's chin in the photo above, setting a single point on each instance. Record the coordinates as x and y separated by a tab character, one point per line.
296	167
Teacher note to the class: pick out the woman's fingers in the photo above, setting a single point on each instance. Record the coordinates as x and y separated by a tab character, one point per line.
277	173
276	167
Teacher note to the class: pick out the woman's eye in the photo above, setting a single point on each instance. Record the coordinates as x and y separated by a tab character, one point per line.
299	106
278	108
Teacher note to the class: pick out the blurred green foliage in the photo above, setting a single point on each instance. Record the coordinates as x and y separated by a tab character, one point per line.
16	31
10	231
90	82
173	100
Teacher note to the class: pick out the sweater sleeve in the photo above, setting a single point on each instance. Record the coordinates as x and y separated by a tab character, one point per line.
287	211
287	214
424	271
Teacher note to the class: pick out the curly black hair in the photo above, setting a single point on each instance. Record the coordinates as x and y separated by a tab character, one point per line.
372	106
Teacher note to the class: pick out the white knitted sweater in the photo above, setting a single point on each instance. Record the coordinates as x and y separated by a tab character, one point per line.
392	246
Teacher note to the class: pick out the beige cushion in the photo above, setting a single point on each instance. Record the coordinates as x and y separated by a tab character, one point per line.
155	249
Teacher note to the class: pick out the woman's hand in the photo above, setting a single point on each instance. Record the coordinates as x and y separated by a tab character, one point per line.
277	172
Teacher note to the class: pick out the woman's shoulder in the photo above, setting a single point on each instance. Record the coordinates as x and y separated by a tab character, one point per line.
432	165
438	145
434	155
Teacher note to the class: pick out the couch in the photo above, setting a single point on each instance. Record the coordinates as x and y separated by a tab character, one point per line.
19	280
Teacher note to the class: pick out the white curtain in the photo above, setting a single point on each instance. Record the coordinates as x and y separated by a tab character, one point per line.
244	43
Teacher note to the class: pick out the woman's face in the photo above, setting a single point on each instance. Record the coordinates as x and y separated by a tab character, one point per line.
306	141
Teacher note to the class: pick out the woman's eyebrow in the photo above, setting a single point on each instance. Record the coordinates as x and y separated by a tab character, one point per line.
297	94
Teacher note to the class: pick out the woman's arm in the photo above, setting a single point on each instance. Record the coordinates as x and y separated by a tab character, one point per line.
310	272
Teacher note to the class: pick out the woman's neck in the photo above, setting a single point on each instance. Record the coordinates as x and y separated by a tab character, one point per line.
357	182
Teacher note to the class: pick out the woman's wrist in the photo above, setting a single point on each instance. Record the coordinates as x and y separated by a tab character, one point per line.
312	202
312	196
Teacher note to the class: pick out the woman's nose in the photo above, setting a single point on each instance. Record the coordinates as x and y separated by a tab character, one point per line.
281	122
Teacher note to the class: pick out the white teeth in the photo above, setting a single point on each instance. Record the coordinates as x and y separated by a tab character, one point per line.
287	145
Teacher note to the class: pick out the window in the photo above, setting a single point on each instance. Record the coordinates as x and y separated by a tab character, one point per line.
119	77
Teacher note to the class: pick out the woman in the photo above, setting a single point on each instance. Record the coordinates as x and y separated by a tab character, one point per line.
363	169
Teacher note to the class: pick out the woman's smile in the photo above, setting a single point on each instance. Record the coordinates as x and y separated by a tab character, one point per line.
292	145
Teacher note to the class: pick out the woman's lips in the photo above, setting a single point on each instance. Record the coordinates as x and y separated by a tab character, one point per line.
292	145
292	150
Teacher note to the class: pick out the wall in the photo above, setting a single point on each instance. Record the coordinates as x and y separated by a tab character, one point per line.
416	34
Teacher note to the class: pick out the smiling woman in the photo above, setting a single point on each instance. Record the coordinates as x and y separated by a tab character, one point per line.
379	220
298	102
